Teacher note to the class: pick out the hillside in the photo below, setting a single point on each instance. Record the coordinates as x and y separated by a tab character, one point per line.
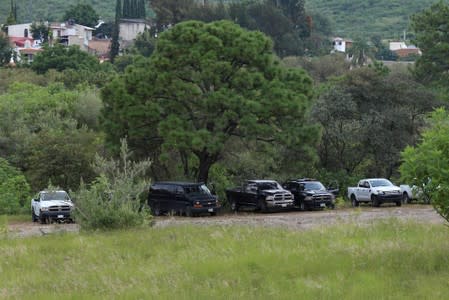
389	18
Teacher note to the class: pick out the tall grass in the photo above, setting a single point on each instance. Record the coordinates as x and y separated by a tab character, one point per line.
388	260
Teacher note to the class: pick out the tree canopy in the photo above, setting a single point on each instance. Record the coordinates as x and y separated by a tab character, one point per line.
83	14
431	27
60	57
205	85
427	164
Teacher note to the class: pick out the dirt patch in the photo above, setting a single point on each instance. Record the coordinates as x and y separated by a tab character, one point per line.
296	220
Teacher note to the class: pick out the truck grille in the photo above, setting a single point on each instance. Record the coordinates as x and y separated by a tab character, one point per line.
283	197
59	208
322	198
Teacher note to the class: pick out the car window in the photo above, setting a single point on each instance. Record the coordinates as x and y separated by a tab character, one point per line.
197	189
380	182
56	195
314	186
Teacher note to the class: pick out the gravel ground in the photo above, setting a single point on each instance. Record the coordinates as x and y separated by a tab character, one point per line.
296	220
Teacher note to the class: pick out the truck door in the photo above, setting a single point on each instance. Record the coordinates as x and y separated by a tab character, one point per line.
364	191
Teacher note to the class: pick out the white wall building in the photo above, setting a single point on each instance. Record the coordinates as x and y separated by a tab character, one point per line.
341	45
129	28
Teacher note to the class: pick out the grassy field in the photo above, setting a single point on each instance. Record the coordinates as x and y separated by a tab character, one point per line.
389	260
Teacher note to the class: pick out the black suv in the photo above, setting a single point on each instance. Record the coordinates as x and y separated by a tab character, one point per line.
182	198
311	194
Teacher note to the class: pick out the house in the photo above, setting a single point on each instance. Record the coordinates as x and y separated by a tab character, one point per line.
129	28
69	33
403	50
341	45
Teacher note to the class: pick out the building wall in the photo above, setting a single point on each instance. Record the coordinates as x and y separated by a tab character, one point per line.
18	30
129	31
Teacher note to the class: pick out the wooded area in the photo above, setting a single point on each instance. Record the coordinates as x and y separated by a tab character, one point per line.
219	102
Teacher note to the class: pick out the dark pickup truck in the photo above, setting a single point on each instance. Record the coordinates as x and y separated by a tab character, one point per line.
311	194
262	195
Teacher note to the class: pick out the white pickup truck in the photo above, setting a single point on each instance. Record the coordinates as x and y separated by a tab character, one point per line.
375	191
52	205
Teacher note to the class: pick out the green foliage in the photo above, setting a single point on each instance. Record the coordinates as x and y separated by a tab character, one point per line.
113	200
60	57
427	164
388	18
40	31
368	117
203	86
14	189
9	76
83	14
5	50
134	9
45	134
115	44
431	26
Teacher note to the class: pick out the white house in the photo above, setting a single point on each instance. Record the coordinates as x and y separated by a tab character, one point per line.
397	46
341	45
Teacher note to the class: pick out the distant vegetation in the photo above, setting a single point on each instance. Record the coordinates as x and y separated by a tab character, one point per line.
388	18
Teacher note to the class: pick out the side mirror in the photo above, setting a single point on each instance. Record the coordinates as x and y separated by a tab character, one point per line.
37	200
334	191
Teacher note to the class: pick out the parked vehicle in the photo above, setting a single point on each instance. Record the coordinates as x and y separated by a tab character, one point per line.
262	195
409	193
186	198
375	191
52	205
310	194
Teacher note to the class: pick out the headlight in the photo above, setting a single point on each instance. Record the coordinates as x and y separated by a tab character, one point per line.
269	198
380	192
44	208
308	198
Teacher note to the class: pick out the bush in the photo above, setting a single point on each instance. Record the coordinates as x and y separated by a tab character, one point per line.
113	200
14	189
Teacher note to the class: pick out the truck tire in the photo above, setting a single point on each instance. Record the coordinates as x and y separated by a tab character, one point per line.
33	216
354	201
374	201
188	211
43	220
234	206
263	206
405	198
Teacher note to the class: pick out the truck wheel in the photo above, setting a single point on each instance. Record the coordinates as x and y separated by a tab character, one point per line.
156	211
405	198
43	220
374	201
354	201
33	216
234	206
188	211
263	206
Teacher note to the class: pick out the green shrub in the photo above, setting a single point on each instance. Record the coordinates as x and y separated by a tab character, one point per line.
14	189
113	200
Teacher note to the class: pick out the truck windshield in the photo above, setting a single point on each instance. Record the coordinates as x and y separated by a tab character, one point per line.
48	196
314	186
269	185
380	182
196	189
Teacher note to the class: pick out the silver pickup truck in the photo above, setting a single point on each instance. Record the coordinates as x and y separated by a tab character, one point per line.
375	191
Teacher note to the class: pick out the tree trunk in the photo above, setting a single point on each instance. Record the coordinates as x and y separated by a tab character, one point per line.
206	160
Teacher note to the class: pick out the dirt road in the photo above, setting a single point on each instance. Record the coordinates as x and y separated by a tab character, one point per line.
296	220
